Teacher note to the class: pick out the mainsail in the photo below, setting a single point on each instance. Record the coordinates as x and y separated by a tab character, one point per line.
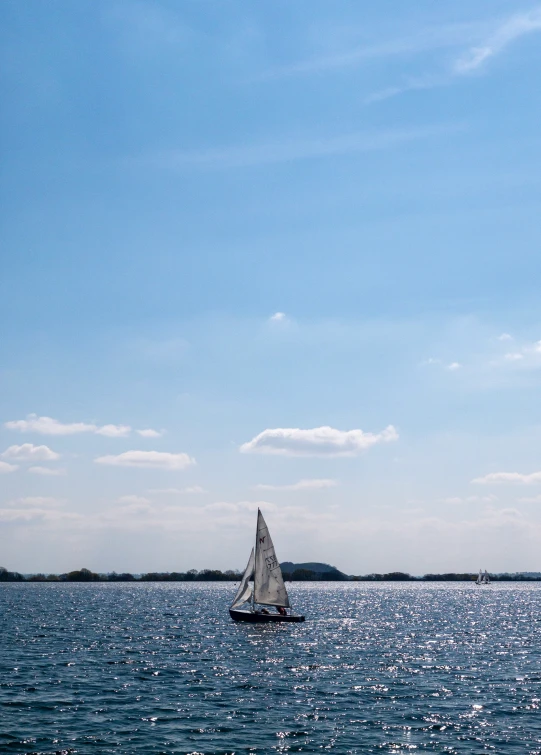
269	588
245	590
483	578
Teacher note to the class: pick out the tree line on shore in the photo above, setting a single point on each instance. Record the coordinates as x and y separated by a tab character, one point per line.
215	575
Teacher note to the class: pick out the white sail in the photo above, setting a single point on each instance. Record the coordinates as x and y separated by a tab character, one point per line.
245	590
480	577
269	588
486	578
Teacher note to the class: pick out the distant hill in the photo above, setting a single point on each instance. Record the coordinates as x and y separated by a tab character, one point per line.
288	567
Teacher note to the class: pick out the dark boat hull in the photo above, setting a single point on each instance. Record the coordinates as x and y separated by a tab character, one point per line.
256	617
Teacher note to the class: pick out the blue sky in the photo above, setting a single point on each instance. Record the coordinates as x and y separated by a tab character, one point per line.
236	224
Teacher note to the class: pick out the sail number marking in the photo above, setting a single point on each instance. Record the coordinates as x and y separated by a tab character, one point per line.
272	562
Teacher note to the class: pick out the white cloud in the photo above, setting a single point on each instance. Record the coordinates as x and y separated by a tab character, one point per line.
452	366
524	357
6	468
137	507
319	441
147	460
497	477
164	491
505	337
45	515
509	31
149	433
177	491
50	426
530	499
114	431
513	356
471	499
277	317
315	484
47	471
30	452
36	501
133	499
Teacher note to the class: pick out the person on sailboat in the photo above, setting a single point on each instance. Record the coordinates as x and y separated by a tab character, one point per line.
281	610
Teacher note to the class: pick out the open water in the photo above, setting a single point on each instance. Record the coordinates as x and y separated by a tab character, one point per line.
161	668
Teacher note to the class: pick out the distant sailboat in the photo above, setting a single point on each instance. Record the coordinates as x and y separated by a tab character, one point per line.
267	588
483	578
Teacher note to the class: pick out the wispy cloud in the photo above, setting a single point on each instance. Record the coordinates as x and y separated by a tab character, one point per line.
296	149
192	489
133	499
50	426
40	514
47	471
451	366
315	484
505	34
473	59
36	500
525	356
409	84
471	499
147	460
146	28
513	477
425	40
319	441
513	356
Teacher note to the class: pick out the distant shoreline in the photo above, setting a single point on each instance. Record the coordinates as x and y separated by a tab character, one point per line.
215	575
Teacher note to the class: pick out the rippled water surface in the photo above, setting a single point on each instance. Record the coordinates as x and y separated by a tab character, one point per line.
161	668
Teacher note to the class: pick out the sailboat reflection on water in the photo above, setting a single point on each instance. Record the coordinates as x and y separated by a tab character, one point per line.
262	584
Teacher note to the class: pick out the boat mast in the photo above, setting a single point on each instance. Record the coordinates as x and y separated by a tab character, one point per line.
255	556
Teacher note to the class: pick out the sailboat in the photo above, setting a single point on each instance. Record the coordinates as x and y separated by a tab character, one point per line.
483	578
262	584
